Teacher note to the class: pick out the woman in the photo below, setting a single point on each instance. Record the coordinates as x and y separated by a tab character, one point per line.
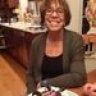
57	55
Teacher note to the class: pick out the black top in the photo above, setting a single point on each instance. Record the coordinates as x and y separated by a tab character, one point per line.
52	66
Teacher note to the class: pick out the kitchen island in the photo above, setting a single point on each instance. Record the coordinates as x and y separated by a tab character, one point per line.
18	38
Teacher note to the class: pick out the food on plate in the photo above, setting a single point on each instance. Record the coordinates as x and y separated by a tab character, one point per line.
44	91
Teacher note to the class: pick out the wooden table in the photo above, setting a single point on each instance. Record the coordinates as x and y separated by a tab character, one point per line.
91	79
89	38
92	38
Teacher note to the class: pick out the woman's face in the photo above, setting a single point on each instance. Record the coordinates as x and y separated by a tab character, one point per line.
54	17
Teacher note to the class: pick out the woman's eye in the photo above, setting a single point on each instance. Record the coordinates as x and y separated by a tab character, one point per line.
49	10
60	11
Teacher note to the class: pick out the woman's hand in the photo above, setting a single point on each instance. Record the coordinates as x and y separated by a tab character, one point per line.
38	85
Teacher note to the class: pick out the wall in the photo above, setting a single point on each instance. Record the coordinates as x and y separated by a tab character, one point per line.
90	64
76	10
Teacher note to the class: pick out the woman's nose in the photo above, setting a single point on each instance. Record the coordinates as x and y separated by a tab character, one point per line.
54	14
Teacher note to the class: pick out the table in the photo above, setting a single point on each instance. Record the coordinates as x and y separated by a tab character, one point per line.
89	40
92	38
91	79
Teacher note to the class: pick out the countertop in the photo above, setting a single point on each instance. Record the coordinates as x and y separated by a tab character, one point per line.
25	27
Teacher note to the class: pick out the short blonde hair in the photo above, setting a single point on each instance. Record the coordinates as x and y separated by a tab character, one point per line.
46	4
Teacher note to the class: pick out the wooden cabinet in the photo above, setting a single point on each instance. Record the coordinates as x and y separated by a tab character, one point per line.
6	9
12	3
18	44
9	3
2	39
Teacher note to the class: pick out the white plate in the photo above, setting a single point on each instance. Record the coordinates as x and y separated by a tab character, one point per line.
63	93
68	93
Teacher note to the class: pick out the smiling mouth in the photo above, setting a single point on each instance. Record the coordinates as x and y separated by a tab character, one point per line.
54	22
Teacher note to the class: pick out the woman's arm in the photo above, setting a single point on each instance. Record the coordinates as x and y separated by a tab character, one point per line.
31	84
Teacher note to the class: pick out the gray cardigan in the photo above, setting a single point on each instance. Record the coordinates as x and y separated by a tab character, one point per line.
73	62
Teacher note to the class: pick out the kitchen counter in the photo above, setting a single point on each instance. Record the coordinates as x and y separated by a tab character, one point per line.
25	27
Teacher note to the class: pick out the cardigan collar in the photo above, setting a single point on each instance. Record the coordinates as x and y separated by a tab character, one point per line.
66	42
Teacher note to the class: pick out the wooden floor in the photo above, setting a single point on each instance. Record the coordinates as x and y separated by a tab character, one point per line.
12	77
